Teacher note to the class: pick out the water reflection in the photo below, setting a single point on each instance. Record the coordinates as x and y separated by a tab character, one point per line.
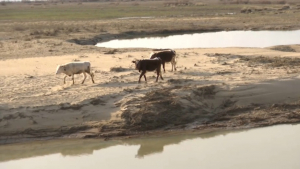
211	40
154	145
42	148
272	147
147	146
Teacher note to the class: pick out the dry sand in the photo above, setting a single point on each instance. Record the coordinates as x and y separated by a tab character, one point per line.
211	89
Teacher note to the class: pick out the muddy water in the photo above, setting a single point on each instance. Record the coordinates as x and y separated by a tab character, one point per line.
272	147
211	40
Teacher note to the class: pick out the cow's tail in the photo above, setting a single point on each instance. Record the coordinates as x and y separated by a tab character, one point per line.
175	56
174	60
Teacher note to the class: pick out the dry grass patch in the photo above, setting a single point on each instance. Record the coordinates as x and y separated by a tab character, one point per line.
284	48
272	61
110	52
150	111
118	69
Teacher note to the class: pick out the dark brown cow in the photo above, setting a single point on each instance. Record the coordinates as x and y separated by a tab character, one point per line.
148	65
166	56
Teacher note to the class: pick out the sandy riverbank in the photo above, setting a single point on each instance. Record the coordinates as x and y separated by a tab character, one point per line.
212	88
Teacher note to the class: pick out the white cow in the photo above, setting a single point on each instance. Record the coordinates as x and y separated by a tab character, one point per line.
75	68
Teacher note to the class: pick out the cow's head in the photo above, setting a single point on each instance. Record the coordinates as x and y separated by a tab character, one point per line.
152	55
60	69
137	64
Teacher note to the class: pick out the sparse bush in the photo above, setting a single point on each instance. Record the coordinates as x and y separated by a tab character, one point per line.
19	28
178	3
52	32
83	56
264	2
111	51
281	2
246	10
261	2
117	69
272	61
284	48
135	4
285	7
234	1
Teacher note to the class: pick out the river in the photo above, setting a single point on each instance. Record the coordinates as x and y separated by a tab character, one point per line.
273	147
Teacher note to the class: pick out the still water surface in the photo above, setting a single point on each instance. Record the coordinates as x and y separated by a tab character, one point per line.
211	40
275	147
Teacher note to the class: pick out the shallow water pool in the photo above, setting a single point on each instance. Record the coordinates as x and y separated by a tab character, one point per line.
211	40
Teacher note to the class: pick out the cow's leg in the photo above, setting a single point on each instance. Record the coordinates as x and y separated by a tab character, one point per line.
175	63
145	77
161	75
172	63
142	74
158	72
164	66
83	78
92	76
65	79
73	78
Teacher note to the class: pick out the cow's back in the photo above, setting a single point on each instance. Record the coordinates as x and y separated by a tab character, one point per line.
150	64
165	56
79	67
